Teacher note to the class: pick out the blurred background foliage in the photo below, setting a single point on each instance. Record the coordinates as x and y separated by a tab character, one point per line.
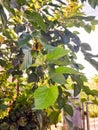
38	60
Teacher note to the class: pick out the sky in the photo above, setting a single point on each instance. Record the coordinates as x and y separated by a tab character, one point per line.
92	39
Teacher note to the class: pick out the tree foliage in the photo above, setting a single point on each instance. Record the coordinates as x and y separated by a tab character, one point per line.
38	54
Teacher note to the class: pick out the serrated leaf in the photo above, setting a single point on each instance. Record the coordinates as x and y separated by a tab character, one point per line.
66	70
44	97
57	53
68	109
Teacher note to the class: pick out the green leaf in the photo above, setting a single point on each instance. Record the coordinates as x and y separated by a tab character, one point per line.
68	109
88	28
94	92
92	3
59	78
95	22
81	67
83	78
83	99
76	32
23	39
44	97
49	48
53	117
39	19
95	102
36	19
40	60
87	90
57	53
61	102
89	18
3	107
62	61
77	90
66	70
78	80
